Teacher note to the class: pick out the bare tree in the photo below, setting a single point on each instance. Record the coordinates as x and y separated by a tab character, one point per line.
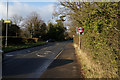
16	19
33	23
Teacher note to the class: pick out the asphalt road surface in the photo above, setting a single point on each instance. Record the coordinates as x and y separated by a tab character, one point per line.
65	66
32	62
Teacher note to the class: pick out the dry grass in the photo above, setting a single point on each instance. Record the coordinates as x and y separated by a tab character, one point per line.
90	68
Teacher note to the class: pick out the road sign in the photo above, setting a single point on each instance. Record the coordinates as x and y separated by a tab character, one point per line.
7	21
80	29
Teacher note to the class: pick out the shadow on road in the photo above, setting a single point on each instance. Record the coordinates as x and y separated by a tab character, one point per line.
29	65
59	62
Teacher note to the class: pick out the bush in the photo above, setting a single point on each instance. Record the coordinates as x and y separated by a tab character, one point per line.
30	40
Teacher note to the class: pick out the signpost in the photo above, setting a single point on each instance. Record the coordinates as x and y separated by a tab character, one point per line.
7	21
80	31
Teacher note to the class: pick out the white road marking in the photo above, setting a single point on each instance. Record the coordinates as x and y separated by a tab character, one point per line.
9	55
40	55
48	52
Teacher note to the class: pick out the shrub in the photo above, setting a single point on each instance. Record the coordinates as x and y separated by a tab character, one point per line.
31	40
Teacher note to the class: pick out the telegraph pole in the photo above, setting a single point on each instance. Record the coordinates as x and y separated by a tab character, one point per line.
6	26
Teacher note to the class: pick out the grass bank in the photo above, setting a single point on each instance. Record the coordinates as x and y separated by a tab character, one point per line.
21	46
92	69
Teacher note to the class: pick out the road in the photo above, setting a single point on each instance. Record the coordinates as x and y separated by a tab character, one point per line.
32	62
65	66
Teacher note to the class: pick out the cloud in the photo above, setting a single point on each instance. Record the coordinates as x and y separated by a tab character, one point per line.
46	12
24	9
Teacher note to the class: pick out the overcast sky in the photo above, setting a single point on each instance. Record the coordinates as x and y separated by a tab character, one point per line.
45	9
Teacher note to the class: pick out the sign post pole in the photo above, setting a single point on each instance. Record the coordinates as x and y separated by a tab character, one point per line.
79	41
80	31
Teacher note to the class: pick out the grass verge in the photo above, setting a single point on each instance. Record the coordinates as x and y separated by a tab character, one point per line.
21	46
91	69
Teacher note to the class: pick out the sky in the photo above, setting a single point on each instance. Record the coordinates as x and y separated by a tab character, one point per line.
44	8
24	7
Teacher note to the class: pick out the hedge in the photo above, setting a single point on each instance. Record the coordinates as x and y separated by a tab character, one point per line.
18	40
